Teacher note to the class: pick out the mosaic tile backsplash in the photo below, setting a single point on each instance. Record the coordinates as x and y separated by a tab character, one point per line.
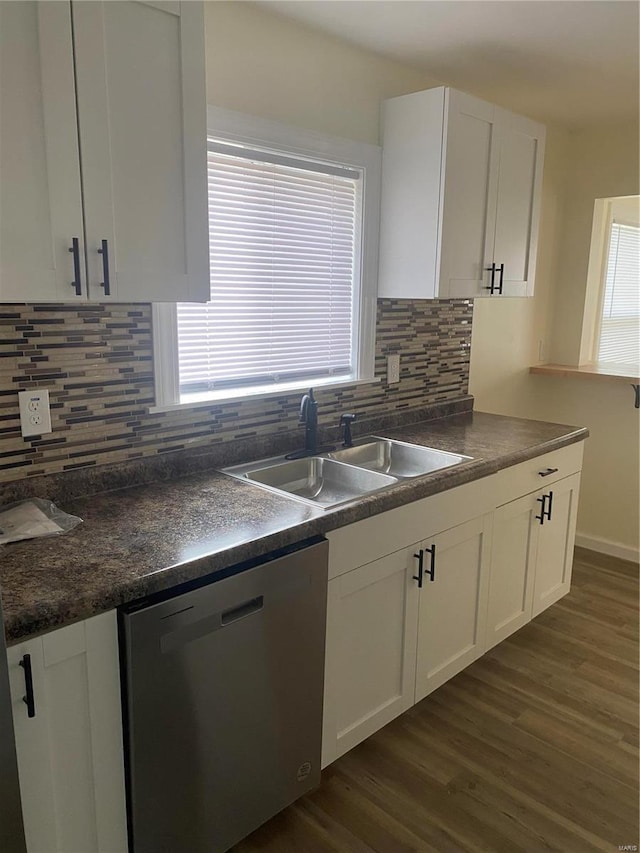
97	362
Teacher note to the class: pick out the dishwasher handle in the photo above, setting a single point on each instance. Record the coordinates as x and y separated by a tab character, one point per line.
173	640
242	610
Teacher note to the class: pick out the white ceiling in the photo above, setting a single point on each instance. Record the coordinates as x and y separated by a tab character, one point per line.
569	62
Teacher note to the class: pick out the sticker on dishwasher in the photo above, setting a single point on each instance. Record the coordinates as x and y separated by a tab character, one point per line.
304	771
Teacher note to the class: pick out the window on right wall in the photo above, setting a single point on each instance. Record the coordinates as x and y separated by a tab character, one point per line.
614	283
617	338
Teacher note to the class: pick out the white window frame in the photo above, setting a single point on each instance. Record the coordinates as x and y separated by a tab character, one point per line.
238	127
598	255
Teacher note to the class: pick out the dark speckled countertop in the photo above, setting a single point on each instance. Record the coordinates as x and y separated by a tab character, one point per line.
149	538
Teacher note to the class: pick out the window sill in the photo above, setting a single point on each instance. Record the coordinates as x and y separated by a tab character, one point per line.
212	398
594	370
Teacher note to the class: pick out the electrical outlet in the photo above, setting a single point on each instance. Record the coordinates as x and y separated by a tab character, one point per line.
393	368
35	416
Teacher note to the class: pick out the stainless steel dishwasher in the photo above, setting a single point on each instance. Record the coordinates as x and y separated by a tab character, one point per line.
222	688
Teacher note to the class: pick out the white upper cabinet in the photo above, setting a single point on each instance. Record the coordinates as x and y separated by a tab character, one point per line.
461	186
517	209
142	119
40	199
110	98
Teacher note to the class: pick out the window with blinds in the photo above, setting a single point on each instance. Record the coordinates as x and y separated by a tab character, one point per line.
284	236
619	338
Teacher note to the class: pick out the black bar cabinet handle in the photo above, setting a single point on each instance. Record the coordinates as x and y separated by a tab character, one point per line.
75	251
491	288
420	558
501	279
432	571
543	500
550	496
106	284
28	699
548	471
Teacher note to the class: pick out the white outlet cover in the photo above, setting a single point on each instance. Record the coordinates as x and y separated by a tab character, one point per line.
35	416
393	368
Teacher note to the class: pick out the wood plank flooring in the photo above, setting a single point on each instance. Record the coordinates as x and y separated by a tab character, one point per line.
532	748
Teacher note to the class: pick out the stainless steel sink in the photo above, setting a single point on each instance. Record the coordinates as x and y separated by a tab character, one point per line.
396	458
324	482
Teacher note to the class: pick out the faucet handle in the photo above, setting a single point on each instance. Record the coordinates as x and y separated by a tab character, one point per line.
346	420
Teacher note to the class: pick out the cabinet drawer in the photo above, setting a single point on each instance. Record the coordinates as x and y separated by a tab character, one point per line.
368	540
538	473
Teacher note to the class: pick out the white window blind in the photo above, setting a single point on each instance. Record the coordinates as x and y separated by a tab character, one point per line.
619	339
284	237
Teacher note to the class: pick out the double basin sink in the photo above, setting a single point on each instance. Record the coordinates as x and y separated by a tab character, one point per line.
340	476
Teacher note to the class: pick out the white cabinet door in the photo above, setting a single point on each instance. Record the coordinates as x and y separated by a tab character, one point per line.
411	178
469	197
513	251
453	603
531	556
513	555
40	201
556	538
70	758
142	120
371	650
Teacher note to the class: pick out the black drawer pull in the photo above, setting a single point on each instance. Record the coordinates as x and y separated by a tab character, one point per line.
545	512
492	287
106	284
432	571
501	279
420	558
29	698
75	251
548	471
543	500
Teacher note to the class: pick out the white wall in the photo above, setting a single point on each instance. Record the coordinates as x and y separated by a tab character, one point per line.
267	65
603	162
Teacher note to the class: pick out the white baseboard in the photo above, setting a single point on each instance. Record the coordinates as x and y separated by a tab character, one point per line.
605	546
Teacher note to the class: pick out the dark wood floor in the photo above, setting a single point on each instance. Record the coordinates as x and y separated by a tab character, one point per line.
532	748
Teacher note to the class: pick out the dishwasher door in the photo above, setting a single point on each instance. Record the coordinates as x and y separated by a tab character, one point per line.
223	689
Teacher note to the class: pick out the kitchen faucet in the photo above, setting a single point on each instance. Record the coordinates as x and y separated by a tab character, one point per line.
309	417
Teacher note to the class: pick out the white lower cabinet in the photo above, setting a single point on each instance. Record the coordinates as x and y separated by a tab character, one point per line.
392	634
554	559
503	555
532	556
453	603
372	615
69	750
513	557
